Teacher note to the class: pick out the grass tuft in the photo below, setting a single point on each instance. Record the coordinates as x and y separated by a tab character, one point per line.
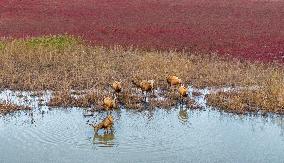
6	108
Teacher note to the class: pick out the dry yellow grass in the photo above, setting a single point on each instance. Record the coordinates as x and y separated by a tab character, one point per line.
6	107
65	63
269	97
65	99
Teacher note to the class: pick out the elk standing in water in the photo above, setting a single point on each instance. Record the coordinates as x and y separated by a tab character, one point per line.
106	124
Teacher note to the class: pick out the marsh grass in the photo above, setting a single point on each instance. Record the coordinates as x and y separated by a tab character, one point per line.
266	100
61	63
59	42
6	107
65	99
2	45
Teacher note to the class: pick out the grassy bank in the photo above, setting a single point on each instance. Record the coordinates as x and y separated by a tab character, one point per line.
6	107
63	63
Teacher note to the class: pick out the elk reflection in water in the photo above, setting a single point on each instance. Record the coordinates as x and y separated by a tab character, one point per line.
106	139
183	115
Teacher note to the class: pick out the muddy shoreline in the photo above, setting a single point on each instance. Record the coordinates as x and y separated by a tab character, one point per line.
198	98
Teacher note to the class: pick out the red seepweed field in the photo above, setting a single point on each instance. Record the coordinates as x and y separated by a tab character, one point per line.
252	29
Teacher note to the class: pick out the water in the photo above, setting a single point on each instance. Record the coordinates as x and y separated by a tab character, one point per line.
176	135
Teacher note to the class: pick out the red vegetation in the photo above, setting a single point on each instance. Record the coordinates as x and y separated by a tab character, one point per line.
247	28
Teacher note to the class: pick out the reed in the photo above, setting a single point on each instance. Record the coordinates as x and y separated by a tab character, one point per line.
6	107
61	63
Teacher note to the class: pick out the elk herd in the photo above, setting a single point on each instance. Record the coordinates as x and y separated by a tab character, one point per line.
145	86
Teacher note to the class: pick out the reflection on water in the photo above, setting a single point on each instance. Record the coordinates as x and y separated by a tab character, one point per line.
183	115
176	135
179	135
104	140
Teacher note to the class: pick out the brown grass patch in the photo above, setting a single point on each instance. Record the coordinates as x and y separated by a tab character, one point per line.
247	102
37	66
269	97
9	107
65	99
63	63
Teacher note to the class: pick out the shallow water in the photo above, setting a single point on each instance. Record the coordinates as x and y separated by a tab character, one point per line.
176	135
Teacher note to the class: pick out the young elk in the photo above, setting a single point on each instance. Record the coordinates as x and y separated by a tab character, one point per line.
183	92
109	103
173	81
106	124
116	86
144	85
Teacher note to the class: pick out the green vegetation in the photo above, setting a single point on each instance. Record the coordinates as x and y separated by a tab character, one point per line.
2	45
57	42
47	43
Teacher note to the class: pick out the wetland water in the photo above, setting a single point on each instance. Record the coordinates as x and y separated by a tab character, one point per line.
176	135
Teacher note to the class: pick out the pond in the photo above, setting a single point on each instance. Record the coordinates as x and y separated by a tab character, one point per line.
159	135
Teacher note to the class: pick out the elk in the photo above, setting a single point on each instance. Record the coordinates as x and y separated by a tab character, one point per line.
173	80
109	103
106	124
116	86
183	91
144	85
